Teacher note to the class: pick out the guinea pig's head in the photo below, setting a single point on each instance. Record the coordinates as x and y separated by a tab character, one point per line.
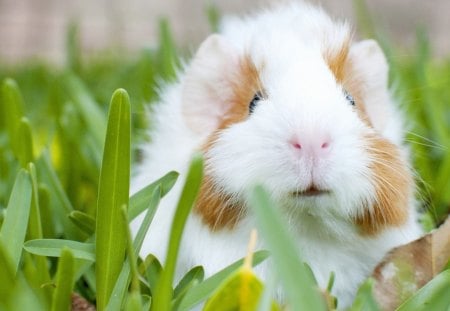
310	121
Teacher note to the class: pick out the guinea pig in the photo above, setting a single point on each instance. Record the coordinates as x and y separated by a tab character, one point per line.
287	99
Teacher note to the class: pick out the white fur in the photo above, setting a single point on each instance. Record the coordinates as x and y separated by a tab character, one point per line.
303	101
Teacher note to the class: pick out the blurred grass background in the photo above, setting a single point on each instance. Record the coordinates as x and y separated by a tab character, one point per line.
66	107
52	92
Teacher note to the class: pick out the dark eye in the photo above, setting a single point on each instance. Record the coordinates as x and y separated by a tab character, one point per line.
256	98
349	98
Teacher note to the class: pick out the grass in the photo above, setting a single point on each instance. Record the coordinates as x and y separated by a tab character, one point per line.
64	188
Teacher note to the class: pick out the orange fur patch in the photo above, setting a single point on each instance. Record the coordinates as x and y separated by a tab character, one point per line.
344	72
216	209
393	187
352	83
244	86
336	59
392	178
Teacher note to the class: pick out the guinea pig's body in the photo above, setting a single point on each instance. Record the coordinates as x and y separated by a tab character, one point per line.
285	99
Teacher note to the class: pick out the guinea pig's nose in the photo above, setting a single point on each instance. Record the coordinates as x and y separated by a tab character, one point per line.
314	145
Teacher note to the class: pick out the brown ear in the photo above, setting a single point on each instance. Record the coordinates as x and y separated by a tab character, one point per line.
206	86
368	69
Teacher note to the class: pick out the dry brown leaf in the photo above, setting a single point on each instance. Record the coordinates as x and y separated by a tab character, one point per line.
407	268
79	303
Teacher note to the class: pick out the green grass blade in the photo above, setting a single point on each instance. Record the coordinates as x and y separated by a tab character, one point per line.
195	274
131	254
73	48
213	16
202	291
364	300
435	119
46	214
366	25
113	193
139	200
134	302
134	299
61	206
30	272
64	282
152	270
442	181
53	247
7	274
364	19
35	231
435	295
163	293
168	58
24	142
301	292
90	110
35	226
83	221
118	293
11	105
46	170
15	224
151	210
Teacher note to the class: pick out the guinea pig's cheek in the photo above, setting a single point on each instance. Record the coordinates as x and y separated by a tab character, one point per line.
229	162
243	155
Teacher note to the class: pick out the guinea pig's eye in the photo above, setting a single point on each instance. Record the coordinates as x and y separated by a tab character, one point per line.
349	98
256	98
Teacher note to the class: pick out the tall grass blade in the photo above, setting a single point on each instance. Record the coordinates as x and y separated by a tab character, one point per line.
435	295
35	226
11	107
131	258
73	48
61	203
35	231
145	225
196	274
7	274
89	109
301	291
364	19
46	214
151	268
163	294
119	291
64	282
83	221
134	302
168	58
139	200
53	248
213	16
364	300
24	142
113	193
15	224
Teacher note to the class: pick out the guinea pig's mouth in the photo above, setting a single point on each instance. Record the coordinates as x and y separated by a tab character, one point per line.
311	191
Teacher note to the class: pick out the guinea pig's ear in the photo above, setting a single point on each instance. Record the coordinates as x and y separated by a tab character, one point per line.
206	85
369	70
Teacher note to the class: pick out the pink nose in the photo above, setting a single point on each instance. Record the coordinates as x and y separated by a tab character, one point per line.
313	146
